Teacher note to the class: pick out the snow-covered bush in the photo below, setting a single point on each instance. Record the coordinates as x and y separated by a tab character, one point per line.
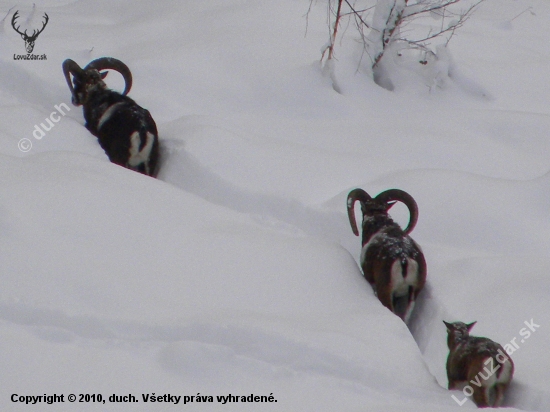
401	34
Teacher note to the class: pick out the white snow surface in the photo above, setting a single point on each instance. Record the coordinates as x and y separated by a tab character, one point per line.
236	271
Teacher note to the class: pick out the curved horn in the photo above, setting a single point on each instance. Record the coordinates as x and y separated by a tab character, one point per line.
353	196
404	197
70	67
104	63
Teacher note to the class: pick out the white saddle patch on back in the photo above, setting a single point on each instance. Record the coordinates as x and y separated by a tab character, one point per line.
107	114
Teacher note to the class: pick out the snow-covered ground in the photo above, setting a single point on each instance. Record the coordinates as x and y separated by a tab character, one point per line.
236	271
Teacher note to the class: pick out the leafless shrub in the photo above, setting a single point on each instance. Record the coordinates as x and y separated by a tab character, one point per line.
385	25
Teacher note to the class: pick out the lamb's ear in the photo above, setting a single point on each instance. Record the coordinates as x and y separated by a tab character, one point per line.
471	325
448	325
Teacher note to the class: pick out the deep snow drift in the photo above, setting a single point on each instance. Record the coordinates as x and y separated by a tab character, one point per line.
236	271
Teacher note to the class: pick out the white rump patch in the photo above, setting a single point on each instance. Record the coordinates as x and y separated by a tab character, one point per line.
506	373
488	375
138	157
400	284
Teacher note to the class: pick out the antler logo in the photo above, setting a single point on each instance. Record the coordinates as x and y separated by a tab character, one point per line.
29	40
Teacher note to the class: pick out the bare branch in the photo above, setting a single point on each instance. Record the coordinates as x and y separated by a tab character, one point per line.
358	14
335	31
432	8
462	19
398	15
